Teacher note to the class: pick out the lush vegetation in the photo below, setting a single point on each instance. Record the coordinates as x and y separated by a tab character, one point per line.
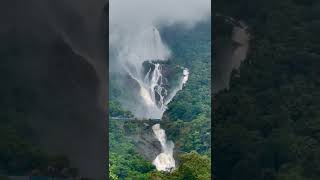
266	127
18	154
187	120
125	163
115	110
189	113
19	157
192	166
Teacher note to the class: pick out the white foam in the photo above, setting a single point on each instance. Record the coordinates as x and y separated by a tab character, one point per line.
164	161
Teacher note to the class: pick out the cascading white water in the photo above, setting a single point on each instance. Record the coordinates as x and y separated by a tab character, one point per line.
149	47
134	40
183	81
155	83
185	77
164	161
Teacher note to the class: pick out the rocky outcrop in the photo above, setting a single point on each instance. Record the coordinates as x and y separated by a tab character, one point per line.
231	50
146	144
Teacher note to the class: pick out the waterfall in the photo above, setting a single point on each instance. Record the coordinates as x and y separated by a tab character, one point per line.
155	80
153	87
154	94
164	161
148	46
183	81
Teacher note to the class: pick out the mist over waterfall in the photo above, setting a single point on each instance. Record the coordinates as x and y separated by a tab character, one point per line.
148	47
182	82
135	39
152	84
140	59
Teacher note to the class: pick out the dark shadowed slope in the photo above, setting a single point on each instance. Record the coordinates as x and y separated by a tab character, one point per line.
266	126
54	75
231	49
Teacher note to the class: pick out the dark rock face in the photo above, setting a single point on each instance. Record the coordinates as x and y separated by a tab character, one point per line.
54	54
171	74
230	53
146	144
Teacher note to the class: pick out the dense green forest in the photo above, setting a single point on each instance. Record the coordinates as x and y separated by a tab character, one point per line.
267	126
124	161
187	121
20	153
18	156
189	114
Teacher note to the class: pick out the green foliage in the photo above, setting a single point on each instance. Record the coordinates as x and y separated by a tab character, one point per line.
125	163
267	125
187	121
115	110
192	49
112	174
130	166
19	157
192	166
189	114
194	135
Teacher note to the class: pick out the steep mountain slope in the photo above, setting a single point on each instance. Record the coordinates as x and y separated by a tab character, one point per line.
189	114
267	125
187	121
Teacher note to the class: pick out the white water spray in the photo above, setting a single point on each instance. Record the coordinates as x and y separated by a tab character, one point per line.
183	81
164	161
149	47
134	39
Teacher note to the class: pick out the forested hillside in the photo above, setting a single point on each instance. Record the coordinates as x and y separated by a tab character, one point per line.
189	114
267	126
52	73
187	121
